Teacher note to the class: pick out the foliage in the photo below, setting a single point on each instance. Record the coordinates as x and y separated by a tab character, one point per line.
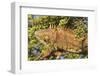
35	48
63	22
80	27
72	56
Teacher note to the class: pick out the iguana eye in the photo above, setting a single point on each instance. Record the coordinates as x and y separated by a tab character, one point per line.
46	37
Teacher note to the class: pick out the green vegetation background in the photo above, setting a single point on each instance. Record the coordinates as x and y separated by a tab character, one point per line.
78	24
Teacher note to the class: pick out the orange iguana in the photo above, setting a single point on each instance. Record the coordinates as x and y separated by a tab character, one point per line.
62	39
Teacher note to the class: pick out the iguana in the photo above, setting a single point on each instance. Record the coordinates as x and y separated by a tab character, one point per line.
61	39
